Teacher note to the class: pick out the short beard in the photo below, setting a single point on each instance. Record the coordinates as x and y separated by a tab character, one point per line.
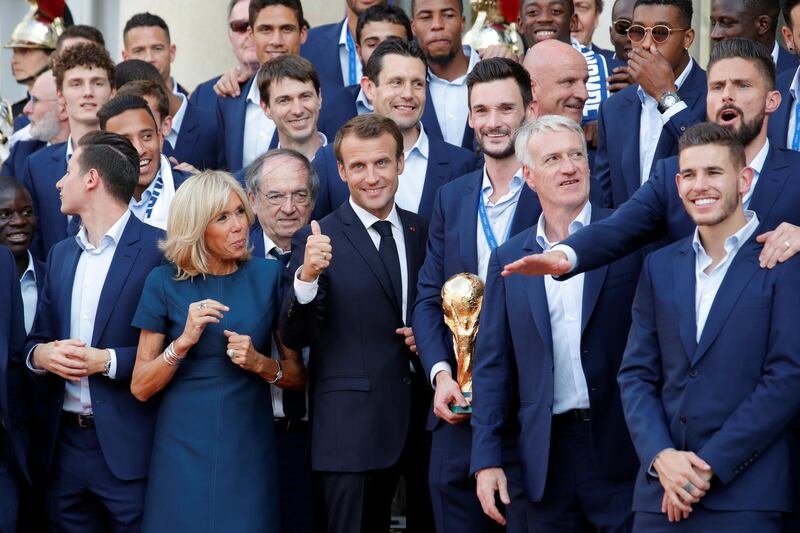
505	153
44	130
442	60
750	130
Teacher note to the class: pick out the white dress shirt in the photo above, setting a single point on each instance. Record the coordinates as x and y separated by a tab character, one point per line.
277	392
305	291
450	101
707	285
652	121
757	164
177	121
565	302
344	55
412	181
30	294
90	276
500	215
258	128
156	214
363	105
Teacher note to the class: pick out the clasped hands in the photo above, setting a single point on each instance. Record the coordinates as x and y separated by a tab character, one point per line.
685	477
70	359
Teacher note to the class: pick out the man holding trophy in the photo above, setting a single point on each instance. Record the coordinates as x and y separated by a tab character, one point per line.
471	216
548	353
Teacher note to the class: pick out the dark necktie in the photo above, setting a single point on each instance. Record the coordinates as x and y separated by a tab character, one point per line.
391	261
294	402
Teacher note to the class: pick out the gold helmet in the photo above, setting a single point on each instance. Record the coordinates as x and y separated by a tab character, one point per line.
40	27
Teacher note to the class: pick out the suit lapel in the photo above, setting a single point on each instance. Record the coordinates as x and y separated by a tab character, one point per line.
683	280
435	177
429	118
66	282
357	234
187	136
778	126
537	298
236	131
771	182
630	114
741	270
527	212
593	282
257	241
121	265
415	255
468	247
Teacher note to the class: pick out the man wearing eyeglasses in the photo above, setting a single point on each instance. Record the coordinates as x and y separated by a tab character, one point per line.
621	16
668	97
243	48
282	187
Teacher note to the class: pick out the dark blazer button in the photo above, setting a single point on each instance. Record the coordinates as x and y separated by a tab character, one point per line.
407	380
683	420
693	373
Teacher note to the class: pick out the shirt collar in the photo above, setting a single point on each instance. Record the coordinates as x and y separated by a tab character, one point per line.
732	243
583	219
322	138
269	244
113	234
421	145
643	96
69	147
343	34
362	100
474	58
757	164
30	272
776	49
793	90
486	186
253	95
177	119
368	219
148	192
175	89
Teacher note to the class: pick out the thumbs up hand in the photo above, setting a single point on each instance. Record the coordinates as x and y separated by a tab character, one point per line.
318	254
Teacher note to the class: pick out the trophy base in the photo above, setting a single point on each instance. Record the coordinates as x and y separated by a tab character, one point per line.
457	409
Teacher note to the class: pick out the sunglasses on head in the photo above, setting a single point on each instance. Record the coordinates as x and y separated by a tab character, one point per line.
660	33
238	26
621	26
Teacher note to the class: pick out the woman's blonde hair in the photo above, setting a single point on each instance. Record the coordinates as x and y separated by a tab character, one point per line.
195	205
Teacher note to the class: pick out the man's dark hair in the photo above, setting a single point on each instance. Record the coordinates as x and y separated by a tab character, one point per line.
253	172
285	67
368	126
458	4
145	20
383	13
82	31
257	5
739	47
770	8
121	103
8	183
83	55
392	46
135	69
684	6
153	89
786	7
115	160
569	5
500	68
598	5
707	133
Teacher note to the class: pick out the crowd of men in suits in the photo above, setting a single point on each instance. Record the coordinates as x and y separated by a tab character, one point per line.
633	216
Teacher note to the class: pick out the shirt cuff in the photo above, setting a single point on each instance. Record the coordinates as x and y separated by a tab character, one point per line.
572	257
112	368
29	363
672	111
304	291
438	367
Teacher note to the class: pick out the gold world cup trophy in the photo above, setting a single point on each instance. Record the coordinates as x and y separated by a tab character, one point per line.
462	296
489	28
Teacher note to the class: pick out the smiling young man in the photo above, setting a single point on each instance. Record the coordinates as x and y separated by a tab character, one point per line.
130	116
84	82
146	37
367	383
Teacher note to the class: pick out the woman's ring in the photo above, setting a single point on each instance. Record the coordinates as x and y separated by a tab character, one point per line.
201	305
787	244
231	352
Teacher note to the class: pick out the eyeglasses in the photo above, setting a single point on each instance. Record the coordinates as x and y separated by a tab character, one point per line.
621	26
660	33
34	100
238	26
277	199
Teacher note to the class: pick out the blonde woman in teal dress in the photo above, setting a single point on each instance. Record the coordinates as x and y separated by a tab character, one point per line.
207	320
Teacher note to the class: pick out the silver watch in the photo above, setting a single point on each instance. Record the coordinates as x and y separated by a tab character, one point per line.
278	374
667	100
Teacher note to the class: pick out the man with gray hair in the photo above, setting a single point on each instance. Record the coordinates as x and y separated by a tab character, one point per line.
282	188
551	350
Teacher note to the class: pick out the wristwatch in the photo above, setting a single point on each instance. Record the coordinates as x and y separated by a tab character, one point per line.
667	100
278	374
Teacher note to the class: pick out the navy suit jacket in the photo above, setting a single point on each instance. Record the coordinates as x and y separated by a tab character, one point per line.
431	122
197	139
445	163
15	400
453	248
124	424
514	352
322	49
729	397
13	165
778	125
231	113
787	61
656	212
616	165
360	382
40	173
204	95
